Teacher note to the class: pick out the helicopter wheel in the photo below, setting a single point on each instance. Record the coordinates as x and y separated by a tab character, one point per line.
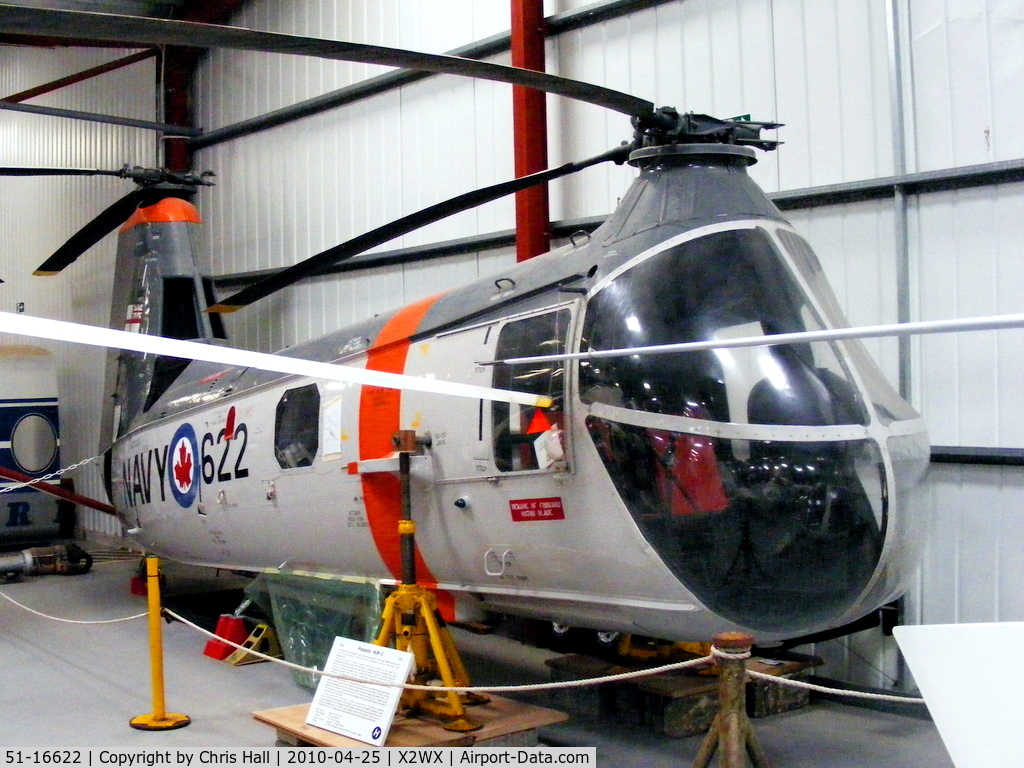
564	638
607	640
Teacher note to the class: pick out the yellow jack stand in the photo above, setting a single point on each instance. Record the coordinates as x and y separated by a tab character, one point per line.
410	619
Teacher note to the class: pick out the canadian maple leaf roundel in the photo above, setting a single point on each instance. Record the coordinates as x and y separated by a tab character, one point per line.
183	476
183	465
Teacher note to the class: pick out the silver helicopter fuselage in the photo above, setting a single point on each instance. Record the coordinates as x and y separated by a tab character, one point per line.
677	495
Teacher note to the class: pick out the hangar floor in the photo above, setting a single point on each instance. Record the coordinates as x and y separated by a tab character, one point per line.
65	685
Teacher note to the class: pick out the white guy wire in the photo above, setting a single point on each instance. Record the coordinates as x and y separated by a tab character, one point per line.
990	323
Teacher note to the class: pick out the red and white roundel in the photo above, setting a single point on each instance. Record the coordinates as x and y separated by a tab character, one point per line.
183	462
184	474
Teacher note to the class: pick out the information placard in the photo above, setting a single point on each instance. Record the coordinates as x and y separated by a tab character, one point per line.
359	710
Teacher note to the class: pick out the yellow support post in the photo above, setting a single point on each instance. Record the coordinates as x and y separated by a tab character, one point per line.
160	719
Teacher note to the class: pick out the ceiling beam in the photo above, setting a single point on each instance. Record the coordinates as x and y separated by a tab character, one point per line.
78	77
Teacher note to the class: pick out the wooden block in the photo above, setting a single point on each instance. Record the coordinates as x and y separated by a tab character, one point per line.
679	704
782	667
504	723
676	704
765	698
675	685
590	700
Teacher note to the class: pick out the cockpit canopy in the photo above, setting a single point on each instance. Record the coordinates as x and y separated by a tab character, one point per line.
725	285
751	471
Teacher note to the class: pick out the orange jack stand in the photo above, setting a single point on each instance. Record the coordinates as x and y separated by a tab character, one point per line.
410	620
731	733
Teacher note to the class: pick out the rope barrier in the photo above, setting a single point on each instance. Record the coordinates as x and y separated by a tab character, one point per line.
785	681
703	661
791	683
68	621
723	653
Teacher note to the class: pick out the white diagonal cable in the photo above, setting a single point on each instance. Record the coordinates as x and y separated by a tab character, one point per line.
921	328
60	330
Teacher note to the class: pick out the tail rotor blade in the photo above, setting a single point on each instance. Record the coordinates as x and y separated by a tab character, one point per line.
85	238
12	171
398	227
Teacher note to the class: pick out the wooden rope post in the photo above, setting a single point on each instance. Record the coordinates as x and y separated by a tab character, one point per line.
731	733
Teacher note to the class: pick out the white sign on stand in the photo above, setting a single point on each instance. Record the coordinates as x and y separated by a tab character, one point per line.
359	710
976	706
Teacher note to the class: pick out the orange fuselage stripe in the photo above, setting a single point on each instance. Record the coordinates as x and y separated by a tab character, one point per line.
380	413
168	209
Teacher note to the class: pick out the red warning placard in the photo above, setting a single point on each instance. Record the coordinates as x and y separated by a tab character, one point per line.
527	510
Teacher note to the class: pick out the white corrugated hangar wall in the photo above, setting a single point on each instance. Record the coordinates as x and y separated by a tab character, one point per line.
37	214
885	104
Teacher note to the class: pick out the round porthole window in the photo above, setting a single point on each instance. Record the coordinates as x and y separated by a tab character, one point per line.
33	443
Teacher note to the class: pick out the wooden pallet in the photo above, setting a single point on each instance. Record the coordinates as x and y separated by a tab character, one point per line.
674	704
506	723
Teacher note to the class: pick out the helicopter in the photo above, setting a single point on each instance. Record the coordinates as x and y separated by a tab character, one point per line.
675	495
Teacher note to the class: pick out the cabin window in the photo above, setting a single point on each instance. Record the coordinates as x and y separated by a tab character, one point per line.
528	438
297	427
785	537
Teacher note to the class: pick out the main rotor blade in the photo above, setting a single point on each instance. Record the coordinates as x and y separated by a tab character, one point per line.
150	31
393	229
59	330
85	238
921	328
9	171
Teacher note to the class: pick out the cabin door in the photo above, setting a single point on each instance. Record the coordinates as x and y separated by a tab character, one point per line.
500	468
459	456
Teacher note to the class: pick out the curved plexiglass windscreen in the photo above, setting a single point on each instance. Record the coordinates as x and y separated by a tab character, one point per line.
779	530
888	405
776	536
725	285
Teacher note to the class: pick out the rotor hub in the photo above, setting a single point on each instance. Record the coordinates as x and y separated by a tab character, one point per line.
161	177
667	126
718	154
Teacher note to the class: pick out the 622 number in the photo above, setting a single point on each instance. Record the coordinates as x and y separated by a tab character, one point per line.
221	470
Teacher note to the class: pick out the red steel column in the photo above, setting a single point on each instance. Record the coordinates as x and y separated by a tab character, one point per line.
529	120
179	66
